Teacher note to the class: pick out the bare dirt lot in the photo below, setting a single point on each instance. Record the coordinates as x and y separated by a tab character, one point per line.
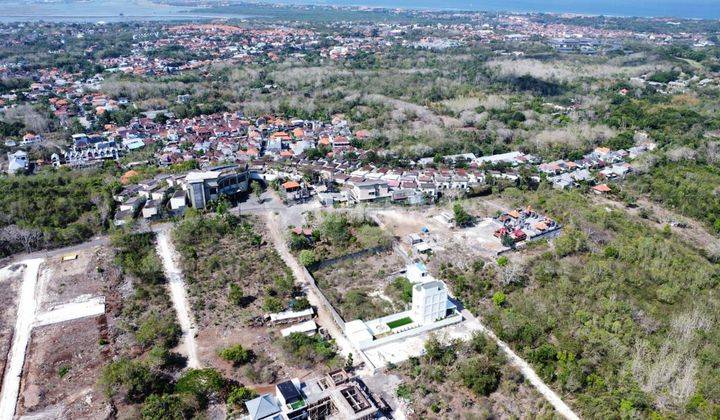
61	370
72	278
269	366
448	243
63	360
358	287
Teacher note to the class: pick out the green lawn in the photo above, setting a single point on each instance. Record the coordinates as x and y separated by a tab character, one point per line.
297	404
399	322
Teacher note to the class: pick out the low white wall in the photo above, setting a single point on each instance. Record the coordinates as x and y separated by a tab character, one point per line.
453	319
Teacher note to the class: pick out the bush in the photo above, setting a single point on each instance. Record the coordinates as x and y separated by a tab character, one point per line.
300	304
207	385
130	379
236	295
480	375
156	329
499	299
335	228
402	287
169	406
573	241
503	261
236	354
310	350
462	218
239	395
299	242
372	236
307	257
273	304
403	391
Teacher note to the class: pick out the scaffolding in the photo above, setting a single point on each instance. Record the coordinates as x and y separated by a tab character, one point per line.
321	409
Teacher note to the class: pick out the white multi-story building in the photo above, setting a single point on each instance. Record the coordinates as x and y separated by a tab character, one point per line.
429	302
17	162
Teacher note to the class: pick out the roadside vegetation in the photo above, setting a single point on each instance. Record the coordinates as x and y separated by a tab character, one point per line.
145	377
335	235
466	380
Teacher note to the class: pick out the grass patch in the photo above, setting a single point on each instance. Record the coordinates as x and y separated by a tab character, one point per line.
297	404
399	322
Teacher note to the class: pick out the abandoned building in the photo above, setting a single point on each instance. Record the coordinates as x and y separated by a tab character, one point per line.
206	186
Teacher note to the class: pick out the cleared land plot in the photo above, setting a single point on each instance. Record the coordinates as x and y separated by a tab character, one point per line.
269	365
401	350
235	277
61	369
72	278
358	287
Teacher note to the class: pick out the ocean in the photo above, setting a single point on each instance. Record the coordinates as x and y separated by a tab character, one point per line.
691	9
128	10
97	10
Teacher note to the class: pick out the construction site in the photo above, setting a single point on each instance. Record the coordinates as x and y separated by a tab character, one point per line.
57	351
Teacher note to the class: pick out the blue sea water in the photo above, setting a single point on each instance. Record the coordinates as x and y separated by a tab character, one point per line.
125	10
95	10
693	9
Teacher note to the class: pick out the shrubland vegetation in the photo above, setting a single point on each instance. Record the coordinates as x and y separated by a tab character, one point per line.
689	188
466	380
338	234
617	315
231	272
147	375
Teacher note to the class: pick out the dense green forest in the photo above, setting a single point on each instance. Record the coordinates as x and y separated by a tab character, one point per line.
691	189
53	208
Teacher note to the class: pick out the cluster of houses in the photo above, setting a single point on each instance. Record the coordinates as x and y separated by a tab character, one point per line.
524	224
602	164
263	149
171	194
209	43
677	86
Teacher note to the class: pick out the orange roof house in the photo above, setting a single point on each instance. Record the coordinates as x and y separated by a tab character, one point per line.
601	189
362	134
290	186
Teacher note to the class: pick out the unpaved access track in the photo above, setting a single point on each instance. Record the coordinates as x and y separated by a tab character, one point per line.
178	294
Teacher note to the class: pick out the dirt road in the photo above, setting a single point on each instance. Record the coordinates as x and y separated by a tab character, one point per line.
527	371
323	316
27	306
178	294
